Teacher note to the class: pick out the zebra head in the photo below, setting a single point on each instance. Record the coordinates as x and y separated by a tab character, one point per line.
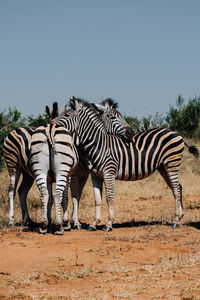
104	116
114	120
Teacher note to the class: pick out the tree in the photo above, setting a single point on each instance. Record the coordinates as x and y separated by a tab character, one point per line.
185	118
134	123
37	121
146	123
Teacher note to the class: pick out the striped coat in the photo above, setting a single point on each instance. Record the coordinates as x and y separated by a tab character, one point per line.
16	150
52	153
109	157
115	124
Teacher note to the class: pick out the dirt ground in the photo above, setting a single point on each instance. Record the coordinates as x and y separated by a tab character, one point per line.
140	259
134	261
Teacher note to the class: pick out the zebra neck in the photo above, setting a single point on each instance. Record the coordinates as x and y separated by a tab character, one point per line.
94	149
90	130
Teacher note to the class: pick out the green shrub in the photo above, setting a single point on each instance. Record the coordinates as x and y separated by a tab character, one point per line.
185	118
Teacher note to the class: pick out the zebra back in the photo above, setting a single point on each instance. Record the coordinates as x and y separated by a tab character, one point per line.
52	149
16	150
147	151
129	161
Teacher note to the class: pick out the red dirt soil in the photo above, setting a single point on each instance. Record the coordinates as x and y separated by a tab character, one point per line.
143	262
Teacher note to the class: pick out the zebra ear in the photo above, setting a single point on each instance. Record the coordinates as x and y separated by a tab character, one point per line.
75	104
48	111
72	103
109	103
62	111
100	109
55	110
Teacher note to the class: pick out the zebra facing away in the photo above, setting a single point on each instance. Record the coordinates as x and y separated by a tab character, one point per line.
53	151
16	152
108	157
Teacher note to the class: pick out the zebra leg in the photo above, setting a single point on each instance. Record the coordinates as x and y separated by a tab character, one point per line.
171	178
109	184
23	190
50	201
58	195
177	191
14	178
77	184
98	187
66	222
44	196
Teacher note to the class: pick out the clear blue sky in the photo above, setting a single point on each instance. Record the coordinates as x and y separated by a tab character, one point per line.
142	53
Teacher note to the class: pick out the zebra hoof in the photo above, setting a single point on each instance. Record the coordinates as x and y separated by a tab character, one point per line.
107	229
29	223
59	230
174	225
42	230
66	226
78	227
90	228
11	222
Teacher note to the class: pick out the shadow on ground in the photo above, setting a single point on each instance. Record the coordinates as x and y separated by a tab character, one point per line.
34	227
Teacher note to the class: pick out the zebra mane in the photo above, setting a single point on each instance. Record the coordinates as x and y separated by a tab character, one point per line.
84	103
81	102
77	103
109	102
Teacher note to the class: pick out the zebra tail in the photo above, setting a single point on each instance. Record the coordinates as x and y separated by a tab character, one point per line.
50	139
192	149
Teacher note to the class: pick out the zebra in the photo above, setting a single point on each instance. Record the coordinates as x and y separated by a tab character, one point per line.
16	152
113	120
109	157
53	152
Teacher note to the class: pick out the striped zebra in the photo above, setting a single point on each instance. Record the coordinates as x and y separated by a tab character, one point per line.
108	157
16	152
115	124
53	153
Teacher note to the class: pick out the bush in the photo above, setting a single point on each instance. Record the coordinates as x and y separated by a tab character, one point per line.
185	118
40	120
146	123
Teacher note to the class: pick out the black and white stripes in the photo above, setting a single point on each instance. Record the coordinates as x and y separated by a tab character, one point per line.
105	156
105	112
52	153
16	150
109	157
